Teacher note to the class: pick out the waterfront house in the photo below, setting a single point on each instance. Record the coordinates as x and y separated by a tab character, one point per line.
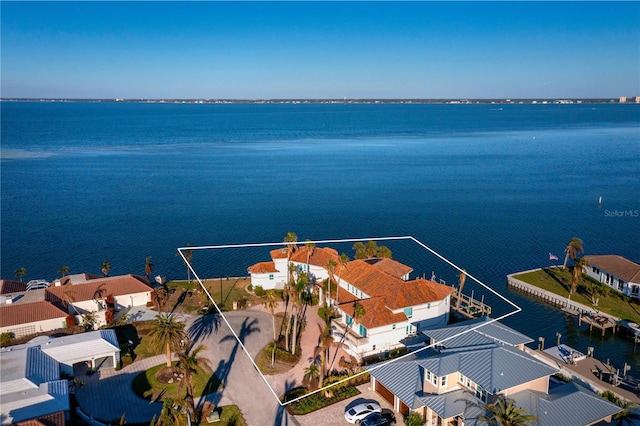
448	383
28	318
83	293
395	307
617	272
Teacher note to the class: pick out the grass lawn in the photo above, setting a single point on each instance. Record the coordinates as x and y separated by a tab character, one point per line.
189	297
231	416
557	281
147	386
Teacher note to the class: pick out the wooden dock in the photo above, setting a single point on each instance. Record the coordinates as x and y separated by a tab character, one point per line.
467	306
601	322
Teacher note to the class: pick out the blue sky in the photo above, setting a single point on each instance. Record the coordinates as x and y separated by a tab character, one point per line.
266	50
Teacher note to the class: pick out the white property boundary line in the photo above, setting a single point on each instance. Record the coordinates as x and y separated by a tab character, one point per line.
281	243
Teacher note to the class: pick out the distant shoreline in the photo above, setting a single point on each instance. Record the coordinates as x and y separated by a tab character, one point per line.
453	101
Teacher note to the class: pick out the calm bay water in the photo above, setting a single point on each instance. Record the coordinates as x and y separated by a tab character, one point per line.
494	188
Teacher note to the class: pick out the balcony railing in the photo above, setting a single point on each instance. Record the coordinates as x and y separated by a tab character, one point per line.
338	328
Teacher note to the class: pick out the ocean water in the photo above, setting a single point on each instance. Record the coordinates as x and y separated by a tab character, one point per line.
493	188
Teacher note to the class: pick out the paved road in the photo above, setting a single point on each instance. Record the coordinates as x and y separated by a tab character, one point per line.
107	394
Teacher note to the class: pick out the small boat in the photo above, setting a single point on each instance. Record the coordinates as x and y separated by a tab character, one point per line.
630	328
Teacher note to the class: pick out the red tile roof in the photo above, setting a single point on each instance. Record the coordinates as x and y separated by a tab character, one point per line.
25	313
280	253
99	288
376	313
320	256
11	286
617	265
262	268
392	267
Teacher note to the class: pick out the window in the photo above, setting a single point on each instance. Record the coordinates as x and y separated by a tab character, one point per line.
393	327
481	394
634	290
443	381
349	321
363	331
373	348
270	276
408	312
427	375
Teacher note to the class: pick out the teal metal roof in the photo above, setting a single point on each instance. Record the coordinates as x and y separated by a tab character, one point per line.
477	332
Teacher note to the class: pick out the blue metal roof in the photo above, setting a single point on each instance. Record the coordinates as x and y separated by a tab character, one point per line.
477	332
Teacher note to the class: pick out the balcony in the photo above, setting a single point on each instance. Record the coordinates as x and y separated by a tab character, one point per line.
338	329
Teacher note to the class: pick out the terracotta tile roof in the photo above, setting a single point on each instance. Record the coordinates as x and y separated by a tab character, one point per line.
99	288
280	253
24	313
397	293
262	268
376	313
617	265
344	296
11	286
392	267
320	256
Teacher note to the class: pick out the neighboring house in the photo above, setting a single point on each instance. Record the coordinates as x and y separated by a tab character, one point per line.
79	294
395	307
91	349
24	319
31	389
448	384
615	271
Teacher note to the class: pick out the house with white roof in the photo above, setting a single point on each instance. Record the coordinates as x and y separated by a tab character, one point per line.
31	389
617	272
474	363
395	307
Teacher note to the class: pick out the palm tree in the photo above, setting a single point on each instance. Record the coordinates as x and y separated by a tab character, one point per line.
323	349
360	250
64	270
370	249
630	414
577	273
300	288
21	272
271	303
167	333
188	253
188	362
384	251
89	320
170	414
148	267
505	413
344	264
358	313
331	269
160	296
105	268
572	250
462	279
310	249
311	374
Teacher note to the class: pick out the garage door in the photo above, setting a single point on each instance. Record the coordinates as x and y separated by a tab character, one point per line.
384	392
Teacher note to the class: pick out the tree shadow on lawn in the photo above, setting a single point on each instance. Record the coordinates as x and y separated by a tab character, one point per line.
557	279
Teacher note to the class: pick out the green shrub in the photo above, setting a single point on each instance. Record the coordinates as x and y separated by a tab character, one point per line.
5	338
414	419
317	400
259	291
250	287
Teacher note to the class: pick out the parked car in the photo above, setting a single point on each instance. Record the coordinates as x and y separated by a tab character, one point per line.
360	411
385	418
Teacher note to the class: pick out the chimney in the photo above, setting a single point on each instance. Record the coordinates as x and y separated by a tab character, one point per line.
56	283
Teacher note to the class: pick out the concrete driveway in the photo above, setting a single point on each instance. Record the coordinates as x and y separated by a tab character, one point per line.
334	414
107	394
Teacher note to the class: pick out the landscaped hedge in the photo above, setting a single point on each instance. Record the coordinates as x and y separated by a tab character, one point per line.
318	400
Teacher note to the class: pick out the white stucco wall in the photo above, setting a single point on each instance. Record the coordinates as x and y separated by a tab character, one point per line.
34	327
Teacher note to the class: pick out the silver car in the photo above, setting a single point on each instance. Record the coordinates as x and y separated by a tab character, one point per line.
360	411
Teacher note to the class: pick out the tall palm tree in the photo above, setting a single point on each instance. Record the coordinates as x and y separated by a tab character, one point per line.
148	267
64	270
370	249
105	268
574	247
577	273
160	296
358	313
271	303
343	261
360	250
21	272
188	362
310	249
462	279
300	288
331	270
504	412
384	252
167	333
